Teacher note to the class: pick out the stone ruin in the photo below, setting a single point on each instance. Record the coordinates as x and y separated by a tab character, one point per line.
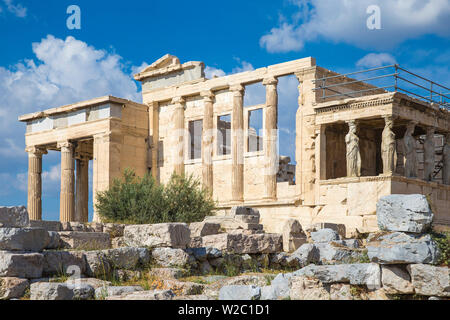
229	258
354	143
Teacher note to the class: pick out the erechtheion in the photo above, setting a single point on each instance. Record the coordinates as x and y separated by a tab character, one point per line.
354	143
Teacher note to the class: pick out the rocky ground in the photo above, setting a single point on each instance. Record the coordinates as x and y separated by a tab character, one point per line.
225	259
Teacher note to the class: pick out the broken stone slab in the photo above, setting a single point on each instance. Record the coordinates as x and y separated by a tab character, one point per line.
145	295
127	257
93	282
304	288
118	242
399	247
239	292
174	235
14	217
60	291
168	273
293	235
115	230
280	259
246	218
335	252
96	226
21	264
324	235
406	213
54	240
85	240
242	210
168	257
340	291
76	226
278	289
339	228
109	291
306	254
242	243
63	262
97	264
47	225
396	280
179	288
201	229
430	280
13	288
23	239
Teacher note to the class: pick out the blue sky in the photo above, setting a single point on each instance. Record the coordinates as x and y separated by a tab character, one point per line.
44	64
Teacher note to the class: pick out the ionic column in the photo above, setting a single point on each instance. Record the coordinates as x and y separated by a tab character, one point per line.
237	144
207	140
82	189
67	205
270	139
35	182
178	120
428	155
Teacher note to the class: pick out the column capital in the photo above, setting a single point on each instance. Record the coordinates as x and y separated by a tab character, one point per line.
270	81
207	95
178	100
237	88
65	145
36	151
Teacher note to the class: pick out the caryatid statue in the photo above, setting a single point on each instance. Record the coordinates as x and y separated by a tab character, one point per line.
428	155
409	149
446	160
353	154
388	147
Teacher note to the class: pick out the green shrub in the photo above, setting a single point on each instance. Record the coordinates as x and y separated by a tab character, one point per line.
140	200
443	242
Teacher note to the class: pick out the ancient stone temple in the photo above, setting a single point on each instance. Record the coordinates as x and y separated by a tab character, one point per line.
354	143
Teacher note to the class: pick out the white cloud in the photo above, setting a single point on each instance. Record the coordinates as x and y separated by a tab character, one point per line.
211	72
374	60
17	9
346	21
243	67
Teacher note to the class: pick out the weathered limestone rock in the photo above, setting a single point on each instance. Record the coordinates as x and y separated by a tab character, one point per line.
340	291
239	292
278	289
93	282
23	239
212	290
306	254
85	240
303	288
399	247
97	226
47	225
293	235
58	262
50	291
368	274
96	264
193	297
201	229
179	288
324	235
114	229
118	242
241	210
175	235
242	243
334	252
168	273
145	295
339	228
280	259
14	217
127	257
13	288
407	213
430	280
168	257
54	240
103	292
21	265
396	280
60	291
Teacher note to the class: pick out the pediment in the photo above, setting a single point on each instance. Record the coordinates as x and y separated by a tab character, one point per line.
165	61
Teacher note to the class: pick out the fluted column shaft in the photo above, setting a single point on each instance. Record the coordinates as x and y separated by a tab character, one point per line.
67	205
237	145
270	139
178	118
82	190
207	141
35	182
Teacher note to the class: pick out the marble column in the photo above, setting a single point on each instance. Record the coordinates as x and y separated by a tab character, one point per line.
178	135
428	155
67	204
270	139
154	138
446	160
207	140
388	147
353	152
35	182
409	150
237	144
82	189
